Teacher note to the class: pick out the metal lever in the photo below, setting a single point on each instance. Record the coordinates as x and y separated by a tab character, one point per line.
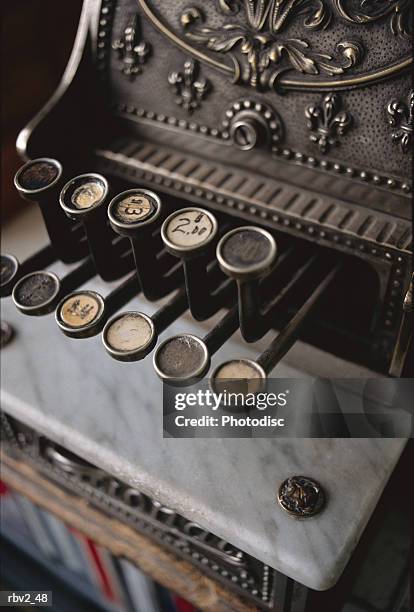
83	313
84	198
12	270
405	334
131	336
254	373
190	234
39	180
135	214
37	293
184	358
248	254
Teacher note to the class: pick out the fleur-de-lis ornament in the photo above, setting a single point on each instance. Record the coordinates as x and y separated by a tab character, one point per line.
188	88
327	122
401	117
131	50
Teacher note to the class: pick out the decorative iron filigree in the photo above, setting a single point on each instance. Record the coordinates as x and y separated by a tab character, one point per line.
327	121
366	11
131	49
257	38
401	117
188	89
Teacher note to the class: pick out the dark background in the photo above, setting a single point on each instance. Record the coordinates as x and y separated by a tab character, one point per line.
37	38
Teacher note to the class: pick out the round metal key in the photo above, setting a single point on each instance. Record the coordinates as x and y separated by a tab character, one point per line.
81	314
189	231
129	336
83	193
301	497
239	376
37	176
133	209
36	293
246	252
181	359
9	267
6	333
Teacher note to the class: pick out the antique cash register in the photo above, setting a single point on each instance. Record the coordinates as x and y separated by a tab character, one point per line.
220	182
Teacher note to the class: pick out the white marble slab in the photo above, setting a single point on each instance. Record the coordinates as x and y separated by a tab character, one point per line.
110	413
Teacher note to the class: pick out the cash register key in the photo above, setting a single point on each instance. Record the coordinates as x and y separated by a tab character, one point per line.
6	333
8	269
80	314
189	230
38	175
246	253
128	335
181	358
83	193
36	293
132	210
301	497
135	206
239	375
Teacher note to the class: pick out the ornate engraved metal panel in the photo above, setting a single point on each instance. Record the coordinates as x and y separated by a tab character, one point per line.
258	50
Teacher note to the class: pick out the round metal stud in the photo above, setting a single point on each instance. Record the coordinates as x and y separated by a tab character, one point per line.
6	333
36	293
129	336
81	314
238	376
181	359
189	231
301	497
83	193
246	253
133	209
9	267
37	176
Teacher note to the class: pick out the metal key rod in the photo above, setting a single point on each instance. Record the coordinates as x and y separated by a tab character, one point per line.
248	254
257	315
84	199
39	180
122	294
190	234
78	276
221	332
136	214
256	372
156	274
290	333
131	336
170	312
